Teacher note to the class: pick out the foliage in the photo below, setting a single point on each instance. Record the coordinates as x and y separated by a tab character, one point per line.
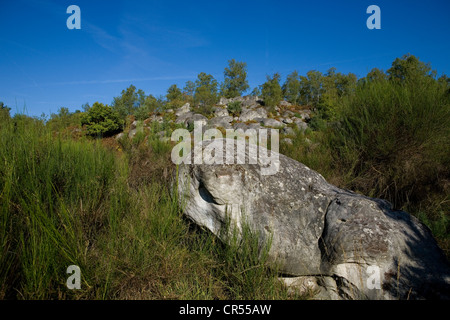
150	105
235	108
66	202
256	92
113	213
51	190
205	91
4	111
395	138
388	138
271	91
410	68
127	103
101	120
64	119
235	79
311	87
188	91
291	88
174	96
375	75
324	92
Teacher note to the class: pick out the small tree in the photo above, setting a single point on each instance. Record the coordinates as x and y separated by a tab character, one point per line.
174	93
101	120
256	92
205	90
174	96
188	91
127	103
235	82
376	75
271	91
291	88
409	68
4	111
150	104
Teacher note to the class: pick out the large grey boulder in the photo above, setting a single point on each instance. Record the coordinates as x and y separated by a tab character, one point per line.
339	241
251	114
302	126
183	109
269	122
190	117
196	117
288	131
220	112
184	117
245	126
224	122
284	103
287	120
305	115
223	101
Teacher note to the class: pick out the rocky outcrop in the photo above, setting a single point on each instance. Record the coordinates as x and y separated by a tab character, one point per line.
344	245
220	112
301	125
224	122
183	109
189	118
249	114
269	122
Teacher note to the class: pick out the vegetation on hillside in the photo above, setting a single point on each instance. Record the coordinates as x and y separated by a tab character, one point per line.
71	194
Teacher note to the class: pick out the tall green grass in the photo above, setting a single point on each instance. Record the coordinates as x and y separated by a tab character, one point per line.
51	194
66	202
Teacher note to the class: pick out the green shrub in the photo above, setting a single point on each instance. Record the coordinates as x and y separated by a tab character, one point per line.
101	120
235	108
394	139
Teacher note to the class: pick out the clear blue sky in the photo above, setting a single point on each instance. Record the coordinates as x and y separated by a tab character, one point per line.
153	44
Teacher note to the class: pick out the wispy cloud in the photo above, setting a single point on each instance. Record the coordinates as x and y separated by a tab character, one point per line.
151	34
107	81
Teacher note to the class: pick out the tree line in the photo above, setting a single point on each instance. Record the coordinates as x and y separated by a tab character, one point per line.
318	91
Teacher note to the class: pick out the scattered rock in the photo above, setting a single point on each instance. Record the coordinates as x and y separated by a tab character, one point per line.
305	115
220	112
302	126
183	109
284	103
155	118
196	118
184	117
288	114
119	136
244	126
269	122
132	133
223	101
288	131
251	114
223	122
